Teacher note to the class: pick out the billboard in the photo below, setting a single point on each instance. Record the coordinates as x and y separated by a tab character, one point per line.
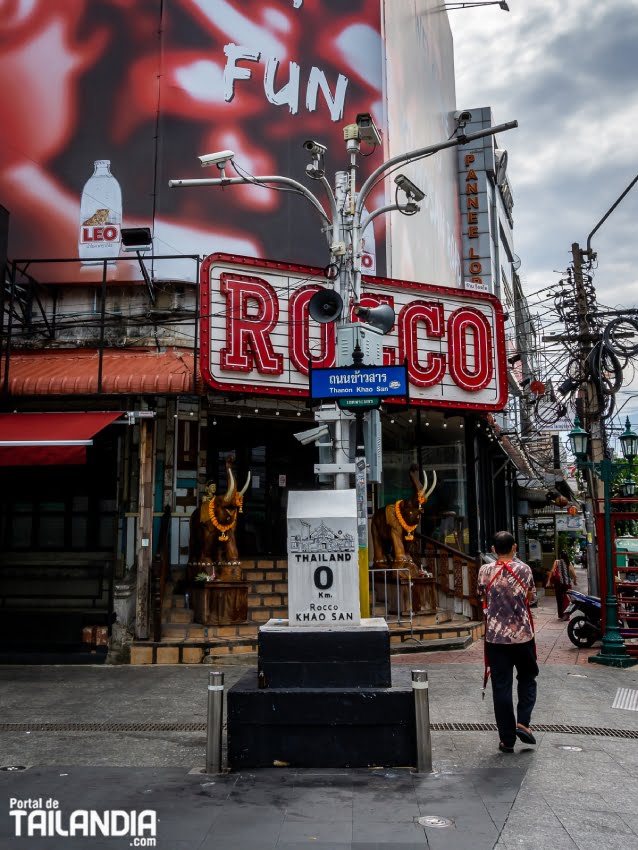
421	100
257	336
104	101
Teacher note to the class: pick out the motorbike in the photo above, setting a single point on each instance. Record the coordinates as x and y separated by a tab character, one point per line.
585	628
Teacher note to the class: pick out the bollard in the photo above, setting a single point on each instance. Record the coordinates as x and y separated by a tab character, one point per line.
214	726
422	713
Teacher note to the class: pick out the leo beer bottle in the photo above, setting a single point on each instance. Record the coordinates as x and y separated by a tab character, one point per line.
100	215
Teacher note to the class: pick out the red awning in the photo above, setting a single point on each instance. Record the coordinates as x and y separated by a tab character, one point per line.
75	372
37	439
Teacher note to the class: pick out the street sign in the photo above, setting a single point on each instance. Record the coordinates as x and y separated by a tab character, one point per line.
378	382
358	403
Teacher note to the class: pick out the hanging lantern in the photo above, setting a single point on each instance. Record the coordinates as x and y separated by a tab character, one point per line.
572	510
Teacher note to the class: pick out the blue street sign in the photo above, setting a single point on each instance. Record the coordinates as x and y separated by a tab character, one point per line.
359	382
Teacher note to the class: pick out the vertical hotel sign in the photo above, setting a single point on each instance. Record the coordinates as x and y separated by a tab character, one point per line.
476	217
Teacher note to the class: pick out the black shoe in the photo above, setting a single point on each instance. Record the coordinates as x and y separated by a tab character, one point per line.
505	749
525	736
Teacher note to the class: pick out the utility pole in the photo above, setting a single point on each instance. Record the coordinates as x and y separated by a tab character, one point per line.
589	413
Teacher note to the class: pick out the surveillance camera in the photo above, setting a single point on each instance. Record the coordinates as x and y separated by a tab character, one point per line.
315	148
463	117
368	130
314	434
220	158
413	192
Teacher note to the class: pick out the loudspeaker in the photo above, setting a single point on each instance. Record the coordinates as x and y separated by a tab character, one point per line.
381	317
325	306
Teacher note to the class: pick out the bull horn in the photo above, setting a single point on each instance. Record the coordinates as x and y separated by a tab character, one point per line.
245	487
231	488
427	492
425	485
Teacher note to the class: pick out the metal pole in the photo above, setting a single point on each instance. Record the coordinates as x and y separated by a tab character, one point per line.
613	652
214	723
422	714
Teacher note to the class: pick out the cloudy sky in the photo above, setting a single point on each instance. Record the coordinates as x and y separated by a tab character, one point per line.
567	70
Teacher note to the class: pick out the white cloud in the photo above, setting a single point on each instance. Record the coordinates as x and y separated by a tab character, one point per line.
566	70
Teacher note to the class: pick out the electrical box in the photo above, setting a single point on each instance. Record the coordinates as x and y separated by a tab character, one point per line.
369	339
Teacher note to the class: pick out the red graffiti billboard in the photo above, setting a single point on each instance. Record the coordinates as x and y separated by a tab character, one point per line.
104	101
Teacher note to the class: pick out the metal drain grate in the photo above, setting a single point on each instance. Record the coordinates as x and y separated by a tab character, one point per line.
102	727
559	728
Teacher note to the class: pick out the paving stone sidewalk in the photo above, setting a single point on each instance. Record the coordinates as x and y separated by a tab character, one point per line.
570	792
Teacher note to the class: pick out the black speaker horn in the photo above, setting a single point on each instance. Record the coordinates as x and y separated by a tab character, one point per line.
380	317
325	306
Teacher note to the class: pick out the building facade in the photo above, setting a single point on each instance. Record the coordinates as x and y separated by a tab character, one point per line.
195	365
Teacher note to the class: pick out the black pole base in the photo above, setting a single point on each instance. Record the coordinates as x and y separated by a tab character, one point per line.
613	660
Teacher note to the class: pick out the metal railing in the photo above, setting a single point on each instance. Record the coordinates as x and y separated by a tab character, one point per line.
397	585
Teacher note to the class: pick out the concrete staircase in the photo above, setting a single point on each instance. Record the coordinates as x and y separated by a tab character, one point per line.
186	642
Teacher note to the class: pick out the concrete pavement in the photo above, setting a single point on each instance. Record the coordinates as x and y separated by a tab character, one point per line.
574	790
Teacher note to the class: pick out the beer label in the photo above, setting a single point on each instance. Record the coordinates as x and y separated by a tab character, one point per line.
99	233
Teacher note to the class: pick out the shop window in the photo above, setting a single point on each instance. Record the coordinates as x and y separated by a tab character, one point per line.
54	508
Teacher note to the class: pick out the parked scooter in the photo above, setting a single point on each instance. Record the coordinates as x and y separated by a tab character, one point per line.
585	628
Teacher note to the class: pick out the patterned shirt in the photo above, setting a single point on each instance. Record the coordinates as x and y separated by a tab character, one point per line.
507	614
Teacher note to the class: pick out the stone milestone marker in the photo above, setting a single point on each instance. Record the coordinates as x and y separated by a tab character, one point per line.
323	568
323	694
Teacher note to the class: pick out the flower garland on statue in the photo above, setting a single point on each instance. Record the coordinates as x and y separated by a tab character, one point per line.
221	528
407	528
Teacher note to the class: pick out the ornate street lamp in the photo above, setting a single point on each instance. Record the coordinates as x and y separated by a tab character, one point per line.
629	446
613	652
629	443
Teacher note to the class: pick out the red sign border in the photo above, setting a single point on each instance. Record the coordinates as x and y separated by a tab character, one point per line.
389	284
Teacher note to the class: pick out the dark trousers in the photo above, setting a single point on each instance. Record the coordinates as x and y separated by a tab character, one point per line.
502	659
560	590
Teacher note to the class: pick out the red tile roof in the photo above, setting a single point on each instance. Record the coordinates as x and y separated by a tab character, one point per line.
75	372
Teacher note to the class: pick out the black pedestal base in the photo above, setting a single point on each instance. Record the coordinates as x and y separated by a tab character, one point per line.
319	727
347	657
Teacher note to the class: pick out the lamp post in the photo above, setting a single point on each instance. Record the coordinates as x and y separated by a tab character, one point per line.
613	652
502	4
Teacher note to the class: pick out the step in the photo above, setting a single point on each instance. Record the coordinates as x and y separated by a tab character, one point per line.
189	643
264	574
194	631
191	651
172	600
472	629
438	645
178	615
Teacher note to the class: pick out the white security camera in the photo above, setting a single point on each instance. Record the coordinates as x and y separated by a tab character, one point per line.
315	148
368	130
463	117
314	434
219	159
413	192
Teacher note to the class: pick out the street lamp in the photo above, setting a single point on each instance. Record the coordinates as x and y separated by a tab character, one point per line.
629	445
449	7
613	652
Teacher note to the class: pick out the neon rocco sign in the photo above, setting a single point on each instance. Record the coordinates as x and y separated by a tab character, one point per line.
257	336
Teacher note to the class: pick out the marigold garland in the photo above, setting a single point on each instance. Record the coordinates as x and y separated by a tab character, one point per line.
222	528
408	528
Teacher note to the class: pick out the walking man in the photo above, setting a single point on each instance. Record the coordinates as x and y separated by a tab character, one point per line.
507	587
